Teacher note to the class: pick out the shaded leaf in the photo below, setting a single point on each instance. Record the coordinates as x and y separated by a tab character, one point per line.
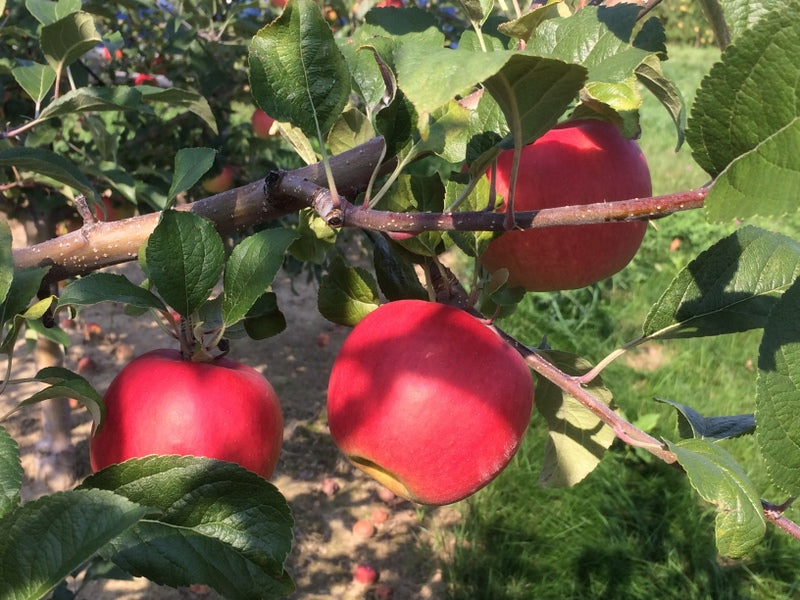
69	38
691	424
577	438
730	287
6	261
35	79
48	11
11	473
189	100
95	99
107	287
264	319
63	383
396	276
347	294
650	75
49	164
716	476
778	392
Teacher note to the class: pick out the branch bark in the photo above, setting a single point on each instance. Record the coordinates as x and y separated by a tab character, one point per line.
101	244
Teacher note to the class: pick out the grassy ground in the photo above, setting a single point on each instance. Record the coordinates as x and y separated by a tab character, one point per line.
634	528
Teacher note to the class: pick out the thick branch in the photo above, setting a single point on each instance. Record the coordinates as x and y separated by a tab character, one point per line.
102	244
97	245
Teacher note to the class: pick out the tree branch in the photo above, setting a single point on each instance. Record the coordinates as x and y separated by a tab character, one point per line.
101	244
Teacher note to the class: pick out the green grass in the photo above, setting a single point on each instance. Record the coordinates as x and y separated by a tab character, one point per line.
634	528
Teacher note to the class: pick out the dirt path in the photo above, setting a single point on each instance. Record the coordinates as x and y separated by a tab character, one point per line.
403	548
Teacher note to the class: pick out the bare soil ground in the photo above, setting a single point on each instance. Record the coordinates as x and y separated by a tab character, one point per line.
404	548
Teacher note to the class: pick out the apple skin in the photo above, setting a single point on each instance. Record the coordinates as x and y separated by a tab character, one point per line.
580	163
261	123
221	182
162	404
428	400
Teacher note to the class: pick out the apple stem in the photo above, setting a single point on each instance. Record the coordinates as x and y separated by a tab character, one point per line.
599	367
84	211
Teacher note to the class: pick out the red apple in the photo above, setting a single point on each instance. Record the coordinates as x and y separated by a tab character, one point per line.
390	4
428	400
143	79
380	515
262	123
363	529
162	404
578	163
365	575
220	182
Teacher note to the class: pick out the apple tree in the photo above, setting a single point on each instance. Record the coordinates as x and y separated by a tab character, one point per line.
409	128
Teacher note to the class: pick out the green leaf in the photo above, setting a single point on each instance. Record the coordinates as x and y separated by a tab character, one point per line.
432	76
417	193
600	39
742	15
297	72
522	27
347	294
35	79
651	76
577	438
219	525
63	383
716	476
190	165
315	238
45	540
733	137
368	76
396	276
96	99
48	12
763	182
187	100
49	164
534	92
107	287
6	261
264	319
733	286
11	473
472	243
69	38
250	270
351	129
691	424
185	257
24	286
778	392
477	10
